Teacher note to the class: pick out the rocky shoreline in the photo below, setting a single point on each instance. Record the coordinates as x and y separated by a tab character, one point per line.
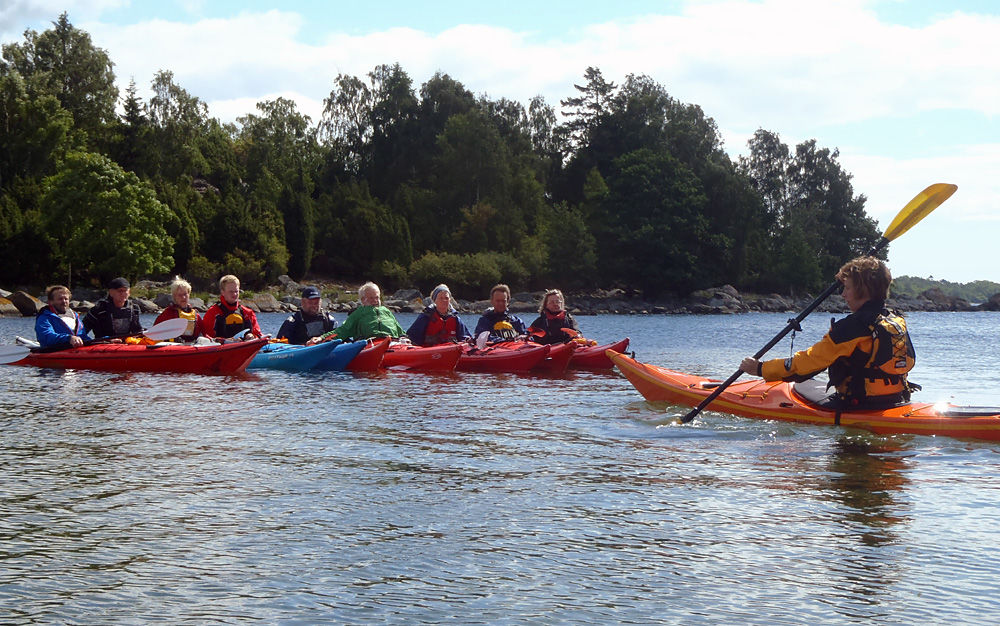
724	300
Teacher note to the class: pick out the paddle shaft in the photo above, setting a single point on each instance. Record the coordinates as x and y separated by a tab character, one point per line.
792	325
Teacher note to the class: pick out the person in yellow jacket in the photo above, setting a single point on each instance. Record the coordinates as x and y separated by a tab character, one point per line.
867	354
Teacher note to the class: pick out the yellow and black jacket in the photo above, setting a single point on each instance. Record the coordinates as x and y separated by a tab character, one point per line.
857	351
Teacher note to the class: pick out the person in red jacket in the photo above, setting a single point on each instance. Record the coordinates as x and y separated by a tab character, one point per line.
180	291
227	317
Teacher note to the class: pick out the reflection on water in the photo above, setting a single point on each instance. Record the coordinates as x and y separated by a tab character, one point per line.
406	498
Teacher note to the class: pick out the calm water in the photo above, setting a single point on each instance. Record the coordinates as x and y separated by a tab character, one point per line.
406	498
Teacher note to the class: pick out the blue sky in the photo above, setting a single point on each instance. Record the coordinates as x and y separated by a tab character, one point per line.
908	91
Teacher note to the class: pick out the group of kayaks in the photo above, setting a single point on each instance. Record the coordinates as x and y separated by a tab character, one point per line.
360	356
512	356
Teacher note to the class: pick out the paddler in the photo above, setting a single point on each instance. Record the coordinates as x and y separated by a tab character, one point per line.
554	323
180	293
439	323
370	320
57	324
115	315
228	317
306	326
867	354
501	324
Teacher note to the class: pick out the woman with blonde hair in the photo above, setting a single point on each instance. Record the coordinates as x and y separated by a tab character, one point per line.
180	292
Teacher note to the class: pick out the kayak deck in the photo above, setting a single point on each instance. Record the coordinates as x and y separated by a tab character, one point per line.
755	398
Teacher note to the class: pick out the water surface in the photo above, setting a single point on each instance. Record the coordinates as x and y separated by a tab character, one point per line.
403	498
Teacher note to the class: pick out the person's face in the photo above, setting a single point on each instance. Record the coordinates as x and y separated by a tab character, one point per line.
60	302
850	293
499	300
443	302
371	297
231	293
182	298
554	303
119	295
310	306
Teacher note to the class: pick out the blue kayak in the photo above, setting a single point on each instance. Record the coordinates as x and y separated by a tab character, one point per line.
283	356
338	359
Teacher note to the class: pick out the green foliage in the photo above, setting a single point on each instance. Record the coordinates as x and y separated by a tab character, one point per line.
105	221
632	189
391	276
469	275
975	292
63	63
651	229
571	248
203	274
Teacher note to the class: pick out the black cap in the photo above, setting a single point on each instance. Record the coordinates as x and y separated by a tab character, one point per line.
310	292
118	283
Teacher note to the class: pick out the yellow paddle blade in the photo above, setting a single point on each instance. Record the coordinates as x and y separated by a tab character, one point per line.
919	208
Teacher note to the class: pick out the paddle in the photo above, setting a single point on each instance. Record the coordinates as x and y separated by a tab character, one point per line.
12	354
917	209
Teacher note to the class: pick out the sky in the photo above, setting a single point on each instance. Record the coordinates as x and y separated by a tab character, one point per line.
908	91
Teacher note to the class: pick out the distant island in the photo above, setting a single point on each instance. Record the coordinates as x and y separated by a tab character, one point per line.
975	292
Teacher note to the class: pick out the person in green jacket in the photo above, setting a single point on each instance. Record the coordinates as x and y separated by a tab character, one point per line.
369	320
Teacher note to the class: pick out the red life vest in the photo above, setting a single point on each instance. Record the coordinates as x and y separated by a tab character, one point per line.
440	329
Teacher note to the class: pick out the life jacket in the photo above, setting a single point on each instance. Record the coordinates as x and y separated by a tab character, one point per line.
299	330
551	327
440	329
504	330
884	373
71	319
108	320
892	355
191	332
231	320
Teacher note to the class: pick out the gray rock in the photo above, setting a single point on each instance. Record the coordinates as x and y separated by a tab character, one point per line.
147	306
7	307
27	304
265	302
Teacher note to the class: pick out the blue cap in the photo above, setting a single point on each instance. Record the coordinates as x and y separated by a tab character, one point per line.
311	292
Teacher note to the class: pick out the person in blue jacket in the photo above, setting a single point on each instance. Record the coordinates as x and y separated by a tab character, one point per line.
501	324
57	324
438	323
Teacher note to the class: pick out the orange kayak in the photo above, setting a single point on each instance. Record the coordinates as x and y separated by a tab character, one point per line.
161	357
442	357
595	357
806	402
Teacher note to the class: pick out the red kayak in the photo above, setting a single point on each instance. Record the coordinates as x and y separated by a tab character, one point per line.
161	357
507	356
558	359
370	358
442	357
595	357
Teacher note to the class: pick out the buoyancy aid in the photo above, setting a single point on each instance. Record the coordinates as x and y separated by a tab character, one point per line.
892	355
231	320
549	327
191	332
440	329
881	368
504	330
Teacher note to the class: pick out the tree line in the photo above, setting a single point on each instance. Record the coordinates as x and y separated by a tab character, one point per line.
629	188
